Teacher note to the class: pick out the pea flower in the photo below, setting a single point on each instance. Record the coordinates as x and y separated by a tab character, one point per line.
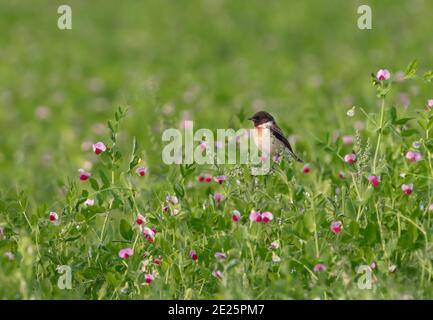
172	199
193	255
255	216
413	156
54	218
84	175
336	227
140	219
274	245
236	216
157	261
149	234
430	207
275	257
200	178
267	216
89	202
429	104
306	169
99	147
141	171
9	255
148	278
319	267
407	188
218	274
350	158
347	139
219	179
264	217
220	255
208	178
383	74
218	197
126	253
392	268
374	180
203	145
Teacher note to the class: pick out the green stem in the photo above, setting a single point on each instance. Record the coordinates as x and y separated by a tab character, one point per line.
379	138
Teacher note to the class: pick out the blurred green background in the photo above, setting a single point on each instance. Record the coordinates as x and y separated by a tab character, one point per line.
306	62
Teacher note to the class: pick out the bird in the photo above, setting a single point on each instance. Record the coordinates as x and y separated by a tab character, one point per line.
265	126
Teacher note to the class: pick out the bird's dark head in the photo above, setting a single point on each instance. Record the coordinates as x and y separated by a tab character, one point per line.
261	117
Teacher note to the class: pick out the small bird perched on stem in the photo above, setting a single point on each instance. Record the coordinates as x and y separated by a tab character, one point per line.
264	127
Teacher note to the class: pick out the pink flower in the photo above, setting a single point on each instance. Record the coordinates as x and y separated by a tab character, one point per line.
126	253
306	169
319	267
383	74
264	217
9	255
430	207
201	178
218	274
274	245
89	202
157	261
220	255
374	180
99	147
392	268
218	197
84	175
193	255
140	219
172	199
336	227
413	156
350	158
267	216
255	216
148	278
429	104
141	171
203	145
347	139
341	175
208	178
54	218
219	179
236	215
407	188
149	234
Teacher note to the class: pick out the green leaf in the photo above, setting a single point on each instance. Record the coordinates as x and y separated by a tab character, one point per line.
126	230
94	184
393	114
428	76
309	221
178	189
411	69
402	121
408	133
104	178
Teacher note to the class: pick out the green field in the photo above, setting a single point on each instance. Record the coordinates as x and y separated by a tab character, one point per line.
215	62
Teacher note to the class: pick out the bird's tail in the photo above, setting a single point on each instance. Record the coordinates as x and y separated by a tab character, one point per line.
296	157
293	155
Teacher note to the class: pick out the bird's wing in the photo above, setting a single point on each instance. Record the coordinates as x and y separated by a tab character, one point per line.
278	133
